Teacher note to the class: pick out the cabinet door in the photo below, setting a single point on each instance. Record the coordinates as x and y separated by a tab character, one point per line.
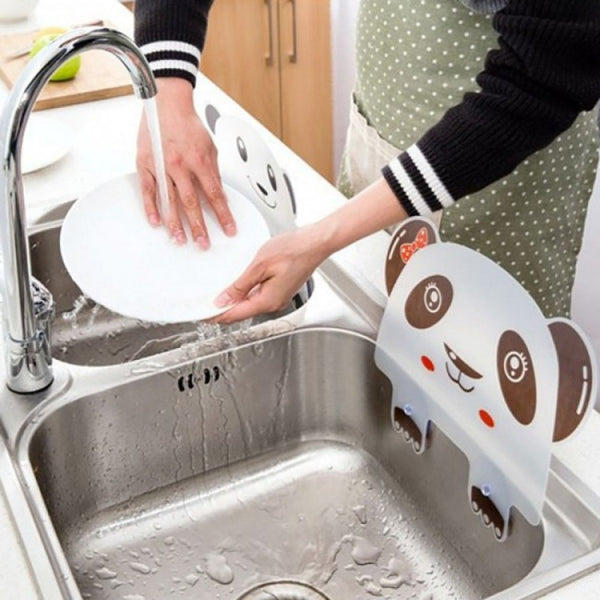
306	81
274	58
241	56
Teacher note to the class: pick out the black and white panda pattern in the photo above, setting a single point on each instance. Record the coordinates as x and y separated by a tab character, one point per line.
247	164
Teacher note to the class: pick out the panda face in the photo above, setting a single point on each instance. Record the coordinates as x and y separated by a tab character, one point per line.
426	306
247	164
263	185
473	342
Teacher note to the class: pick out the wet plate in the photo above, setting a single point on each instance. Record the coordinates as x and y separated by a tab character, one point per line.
131	268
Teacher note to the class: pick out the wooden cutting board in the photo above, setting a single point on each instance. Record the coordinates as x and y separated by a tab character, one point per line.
101	75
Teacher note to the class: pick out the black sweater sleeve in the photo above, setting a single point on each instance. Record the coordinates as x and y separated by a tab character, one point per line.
545	71
171	34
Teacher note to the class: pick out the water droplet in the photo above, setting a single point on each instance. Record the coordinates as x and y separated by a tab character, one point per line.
218	569
363	552
366	581
105	573
140	567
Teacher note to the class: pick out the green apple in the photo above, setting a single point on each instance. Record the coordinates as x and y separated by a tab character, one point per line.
64	72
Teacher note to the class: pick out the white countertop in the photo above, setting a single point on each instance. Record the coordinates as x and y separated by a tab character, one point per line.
104	147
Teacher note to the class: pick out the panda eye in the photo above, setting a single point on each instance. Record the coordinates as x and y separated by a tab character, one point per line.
516	376
272	179
428	301
432	297
242	149
515	366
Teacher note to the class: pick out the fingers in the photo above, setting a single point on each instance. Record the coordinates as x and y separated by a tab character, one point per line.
150	193
173	219
192	172
148	189
258	290
184	190
256	303
265	297
213	190
209	178
189	202
276	273
183	198
239	289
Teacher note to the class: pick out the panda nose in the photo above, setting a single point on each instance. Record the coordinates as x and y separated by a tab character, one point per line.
262	189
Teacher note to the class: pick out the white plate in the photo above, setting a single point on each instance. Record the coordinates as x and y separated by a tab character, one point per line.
134	269
46	141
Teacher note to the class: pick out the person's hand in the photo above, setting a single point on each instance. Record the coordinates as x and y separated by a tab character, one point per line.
278	271
285	262
190	163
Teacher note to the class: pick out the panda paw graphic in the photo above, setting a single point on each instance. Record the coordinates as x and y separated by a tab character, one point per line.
404	425
490	515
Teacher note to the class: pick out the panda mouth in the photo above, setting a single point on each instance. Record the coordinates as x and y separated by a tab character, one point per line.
262	194
462	368
457	379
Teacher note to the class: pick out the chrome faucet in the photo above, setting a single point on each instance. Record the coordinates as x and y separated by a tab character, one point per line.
27	306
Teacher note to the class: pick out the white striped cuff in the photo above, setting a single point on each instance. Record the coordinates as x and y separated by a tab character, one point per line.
173	65
173	55
408	187
171	46
436	185
416	184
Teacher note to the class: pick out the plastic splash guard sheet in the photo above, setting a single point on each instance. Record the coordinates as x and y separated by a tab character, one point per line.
247	164
467	348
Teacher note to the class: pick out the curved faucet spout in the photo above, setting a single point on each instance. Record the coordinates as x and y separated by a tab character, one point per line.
27	306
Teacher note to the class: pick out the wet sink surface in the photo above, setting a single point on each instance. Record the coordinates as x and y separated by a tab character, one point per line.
320	514
273	471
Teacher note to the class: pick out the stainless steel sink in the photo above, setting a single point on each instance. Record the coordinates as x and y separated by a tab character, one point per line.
272	471
85	333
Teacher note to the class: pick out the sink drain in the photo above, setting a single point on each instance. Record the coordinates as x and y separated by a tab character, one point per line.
283	590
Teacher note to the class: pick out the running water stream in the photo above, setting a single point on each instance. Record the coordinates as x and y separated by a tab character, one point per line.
151	112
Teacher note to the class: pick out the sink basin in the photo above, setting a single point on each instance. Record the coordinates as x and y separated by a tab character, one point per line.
85	333
272	471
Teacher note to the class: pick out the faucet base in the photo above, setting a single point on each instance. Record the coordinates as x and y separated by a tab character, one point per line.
29	365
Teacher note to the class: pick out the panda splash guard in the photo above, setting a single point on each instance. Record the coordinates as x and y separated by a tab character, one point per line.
467	348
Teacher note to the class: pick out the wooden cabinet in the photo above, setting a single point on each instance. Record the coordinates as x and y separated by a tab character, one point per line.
274	58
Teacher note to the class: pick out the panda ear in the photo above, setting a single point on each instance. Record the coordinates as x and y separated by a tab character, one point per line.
212	116
288	183
412	235
577	377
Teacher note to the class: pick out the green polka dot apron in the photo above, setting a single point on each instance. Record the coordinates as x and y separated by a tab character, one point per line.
415	59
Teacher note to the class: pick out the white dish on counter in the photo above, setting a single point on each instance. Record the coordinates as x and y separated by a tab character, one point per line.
46	141
132	268
15	10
